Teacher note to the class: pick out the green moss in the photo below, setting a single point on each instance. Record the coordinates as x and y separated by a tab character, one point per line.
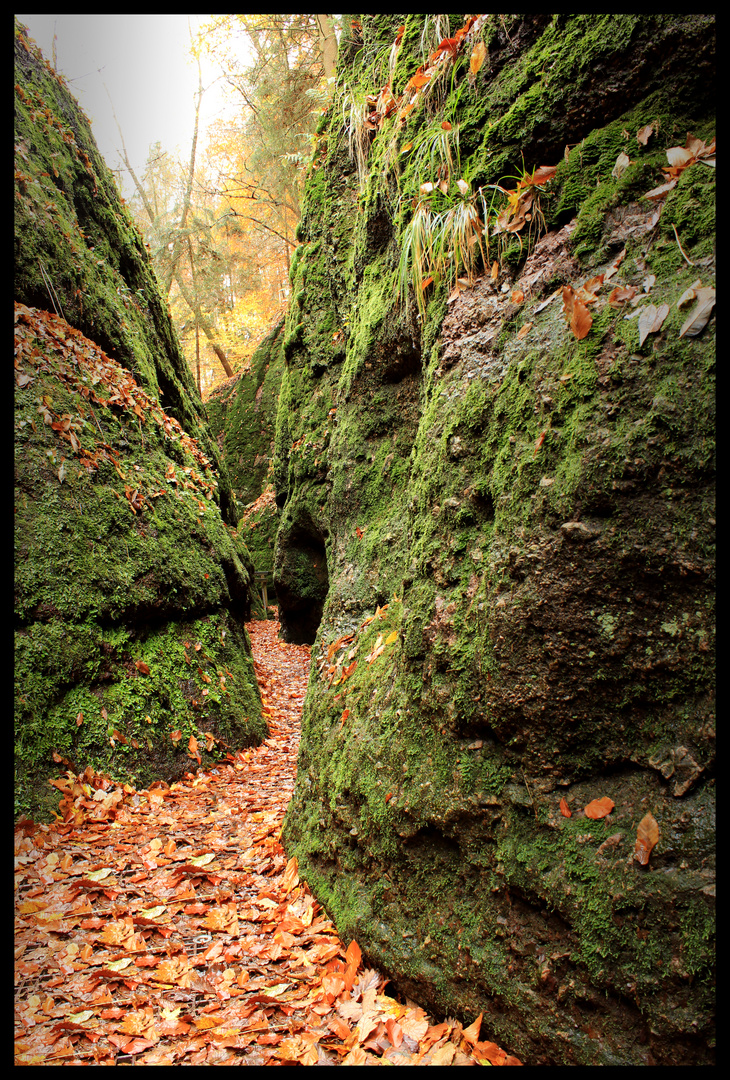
122	551
506	495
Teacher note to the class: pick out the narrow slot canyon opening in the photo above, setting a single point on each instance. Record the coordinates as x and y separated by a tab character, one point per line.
302	582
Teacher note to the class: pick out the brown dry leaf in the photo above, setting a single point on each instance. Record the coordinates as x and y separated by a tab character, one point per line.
651	320
598	808
622	163
622	293
414	1024
647	835
524	330
679	156
517	296
689	294
661	191
444	1055
699	316
613	268
642	135
542	174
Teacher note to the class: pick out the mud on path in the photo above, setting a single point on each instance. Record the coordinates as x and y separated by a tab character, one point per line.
167	926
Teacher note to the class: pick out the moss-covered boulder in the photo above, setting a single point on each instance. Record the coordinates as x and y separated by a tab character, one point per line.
500	499
131	585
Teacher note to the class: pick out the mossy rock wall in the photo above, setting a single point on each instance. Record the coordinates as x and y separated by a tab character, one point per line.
131	586
242	418
502	536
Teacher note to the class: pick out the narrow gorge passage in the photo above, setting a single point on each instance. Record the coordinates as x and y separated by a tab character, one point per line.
167	926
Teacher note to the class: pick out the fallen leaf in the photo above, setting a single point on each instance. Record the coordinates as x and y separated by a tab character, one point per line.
622	163
642	135
517	296
622	293
699	316
651	320
565	809
477	57
679	156
471	1033
524	330
290	880
353	955
647	835
598	808
577	315
542	175
689	294
613	268
141	667
661	191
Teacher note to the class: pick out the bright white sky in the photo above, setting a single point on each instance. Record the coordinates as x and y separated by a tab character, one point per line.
145	63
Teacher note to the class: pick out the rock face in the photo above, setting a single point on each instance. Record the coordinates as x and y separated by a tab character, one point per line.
242	418
498	531
131	584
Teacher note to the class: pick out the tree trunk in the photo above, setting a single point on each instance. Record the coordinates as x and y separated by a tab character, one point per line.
327	43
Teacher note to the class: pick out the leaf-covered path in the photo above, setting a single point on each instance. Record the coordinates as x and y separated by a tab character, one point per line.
167	927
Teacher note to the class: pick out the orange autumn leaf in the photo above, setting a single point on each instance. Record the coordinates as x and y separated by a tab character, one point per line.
141	667
542	175
290	880
577	315
471	1034
353	955
517	296
565	809
598	808
477	57
647	835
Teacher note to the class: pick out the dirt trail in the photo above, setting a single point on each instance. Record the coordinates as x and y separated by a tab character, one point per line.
167	926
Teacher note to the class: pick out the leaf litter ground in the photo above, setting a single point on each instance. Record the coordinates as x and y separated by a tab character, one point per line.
167	926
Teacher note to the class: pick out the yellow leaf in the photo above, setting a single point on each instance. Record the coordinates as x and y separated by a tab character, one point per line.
391	638
478	55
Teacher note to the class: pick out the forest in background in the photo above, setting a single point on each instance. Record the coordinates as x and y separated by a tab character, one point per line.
220	225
